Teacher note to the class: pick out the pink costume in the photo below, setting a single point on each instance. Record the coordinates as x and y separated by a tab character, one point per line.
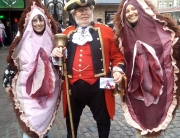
150	69
36	87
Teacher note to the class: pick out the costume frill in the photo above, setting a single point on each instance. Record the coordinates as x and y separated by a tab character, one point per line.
36	86
151	71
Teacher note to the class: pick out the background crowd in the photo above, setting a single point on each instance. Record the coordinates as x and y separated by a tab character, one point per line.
8	31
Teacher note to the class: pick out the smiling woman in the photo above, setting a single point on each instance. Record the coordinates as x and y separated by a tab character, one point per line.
149	43
30	78
38	24
131	15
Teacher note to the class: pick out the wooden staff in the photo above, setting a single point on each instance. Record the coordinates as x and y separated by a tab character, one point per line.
61	40
68	97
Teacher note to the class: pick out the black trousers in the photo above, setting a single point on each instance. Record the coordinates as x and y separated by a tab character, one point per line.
82	94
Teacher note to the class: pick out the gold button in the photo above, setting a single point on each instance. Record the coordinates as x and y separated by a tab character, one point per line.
79	75
79	65
81	50
101	59
80	55
97	38
100	48
80	59
102	69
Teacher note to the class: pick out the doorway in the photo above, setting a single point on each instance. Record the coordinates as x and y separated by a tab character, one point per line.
8	19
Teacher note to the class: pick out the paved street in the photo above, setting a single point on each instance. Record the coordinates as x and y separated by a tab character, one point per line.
9	127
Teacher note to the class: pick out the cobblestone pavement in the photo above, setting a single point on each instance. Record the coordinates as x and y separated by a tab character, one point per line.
9	128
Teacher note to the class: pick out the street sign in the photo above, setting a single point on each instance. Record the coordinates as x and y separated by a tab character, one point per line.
11	4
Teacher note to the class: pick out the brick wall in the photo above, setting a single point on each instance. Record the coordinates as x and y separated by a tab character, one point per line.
99	11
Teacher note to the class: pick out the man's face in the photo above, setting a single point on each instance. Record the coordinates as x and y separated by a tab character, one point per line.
7	23
83	16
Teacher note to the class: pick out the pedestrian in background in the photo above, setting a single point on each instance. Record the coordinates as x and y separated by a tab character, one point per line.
68	22
2	33
59	27
111	23
2	25
92	42
15	27
8	39
149	43
30	78
1	42
99	20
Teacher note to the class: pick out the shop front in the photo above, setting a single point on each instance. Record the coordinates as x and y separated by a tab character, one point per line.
106	9
10	12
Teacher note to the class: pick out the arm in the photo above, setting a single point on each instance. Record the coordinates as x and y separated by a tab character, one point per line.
57	54
7	78
117	59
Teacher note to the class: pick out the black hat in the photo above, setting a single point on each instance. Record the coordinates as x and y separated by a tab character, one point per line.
74	4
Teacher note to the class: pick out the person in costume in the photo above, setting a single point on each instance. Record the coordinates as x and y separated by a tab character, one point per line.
30	78
149	43
90	49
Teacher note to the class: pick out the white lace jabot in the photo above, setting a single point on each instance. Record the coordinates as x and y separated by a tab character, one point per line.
82	36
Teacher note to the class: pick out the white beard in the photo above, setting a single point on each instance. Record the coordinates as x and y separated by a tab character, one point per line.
81	23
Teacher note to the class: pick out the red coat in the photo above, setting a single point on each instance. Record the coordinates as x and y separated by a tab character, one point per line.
103	51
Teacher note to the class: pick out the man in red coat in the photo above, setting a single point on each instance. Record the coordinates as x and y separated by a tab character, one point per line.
91	52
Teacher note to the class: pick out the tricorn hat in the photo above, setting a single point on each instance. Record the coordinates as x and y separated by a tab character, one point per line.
74	4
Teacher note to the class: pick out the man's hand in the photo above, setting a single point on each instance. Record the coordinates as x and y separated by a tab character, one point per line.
117	77
57	52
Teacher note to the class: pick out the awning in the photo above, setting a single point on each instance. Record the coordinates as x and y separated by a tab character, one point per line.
108	2
171	9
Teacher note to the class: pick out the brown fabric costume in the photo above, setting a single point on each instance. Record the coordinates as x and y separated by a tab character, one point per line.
13	46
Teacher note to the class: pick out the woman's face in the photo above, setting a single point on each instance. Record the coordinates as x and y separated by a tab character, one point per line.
38	23
131	14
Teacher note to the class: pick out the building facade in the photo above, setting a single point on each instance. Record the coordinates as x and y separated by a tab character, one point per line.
105	9
165	3
154	2
10	12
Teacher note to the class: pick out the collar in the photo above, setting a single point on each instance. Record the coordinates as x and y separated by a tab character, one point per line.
91	24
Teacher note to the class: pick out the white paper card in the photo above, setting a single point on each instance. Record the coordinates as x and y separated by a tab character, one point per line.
107	83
